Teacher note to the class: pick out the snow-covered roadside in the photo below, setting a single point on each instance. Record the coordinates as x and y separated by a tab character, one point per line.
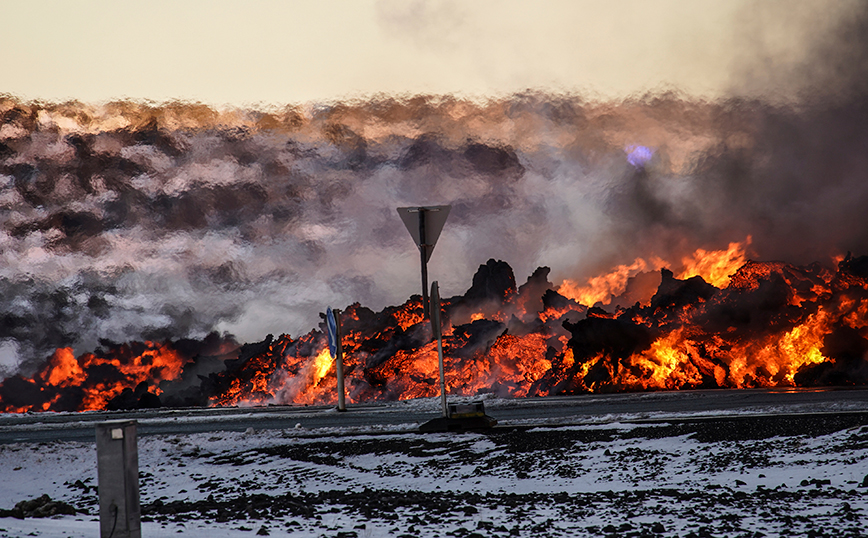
680	479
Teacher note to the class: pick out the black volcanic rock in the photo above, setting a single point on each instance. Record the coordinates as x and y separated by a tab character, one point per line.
19	392
482	332
849	350
614	337
493	281
140	398
845	344
41	506
759	299
855	266
553	299
149	400
851	272
674	293
410	339
531	292
249	351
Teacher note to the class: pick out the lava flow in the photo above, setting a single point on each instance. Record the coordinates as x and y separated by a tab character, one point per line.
722	322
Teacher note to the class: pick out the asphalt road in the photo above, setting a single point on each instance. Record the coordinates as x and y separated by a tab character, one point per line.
583	409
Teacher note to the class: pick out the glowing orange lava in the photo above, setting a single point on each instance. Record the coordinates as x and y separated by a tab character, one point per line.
744	324
715	267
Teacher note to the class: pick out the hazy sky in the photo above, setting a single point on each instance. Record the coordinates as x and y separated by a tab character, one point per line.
239	53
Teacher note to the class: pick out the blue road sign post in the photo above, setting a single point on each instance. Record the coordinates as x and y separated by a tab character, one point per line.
333	326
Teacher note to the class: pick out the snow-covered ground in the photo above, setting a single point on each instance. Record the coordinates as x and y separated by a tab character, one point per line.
727	476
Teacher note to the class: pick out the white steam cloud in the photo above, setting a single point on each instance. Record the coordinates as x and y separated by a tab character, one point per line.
127	221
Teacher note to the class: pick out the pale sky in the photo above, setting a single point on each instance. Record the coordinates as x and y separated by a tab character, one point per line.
288	52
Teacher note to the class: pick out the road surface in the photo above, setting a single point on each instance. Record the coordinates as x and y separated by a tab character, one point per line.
407	415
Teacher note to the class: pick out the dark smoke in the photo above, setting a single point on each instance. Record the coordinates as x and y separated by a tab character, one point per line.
128	221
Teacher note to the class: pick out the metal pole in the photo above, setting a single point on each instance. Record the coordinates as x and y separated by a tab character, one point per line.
436	327
339	362
423	250
442	374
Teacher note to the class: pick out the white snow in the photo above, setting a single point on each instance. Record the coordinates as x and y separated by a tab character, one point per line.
614	473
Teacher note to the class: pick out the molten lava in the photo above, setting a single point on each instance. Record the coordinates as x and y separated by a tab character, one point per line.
717	266
601	289
723	322
93	380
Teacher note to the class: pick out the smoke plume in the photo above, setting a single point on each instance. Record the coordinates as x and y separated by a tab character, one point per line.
134	221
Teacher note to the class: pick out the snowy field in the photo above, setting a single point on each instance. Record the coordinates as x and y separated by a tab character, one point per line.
739	475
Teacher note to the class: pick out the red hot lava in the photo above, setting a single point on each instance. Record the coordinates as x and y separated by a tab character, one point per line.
723	322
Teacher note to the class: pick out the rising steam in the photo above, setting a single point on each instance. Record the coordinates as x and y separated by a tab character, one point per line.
131	221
